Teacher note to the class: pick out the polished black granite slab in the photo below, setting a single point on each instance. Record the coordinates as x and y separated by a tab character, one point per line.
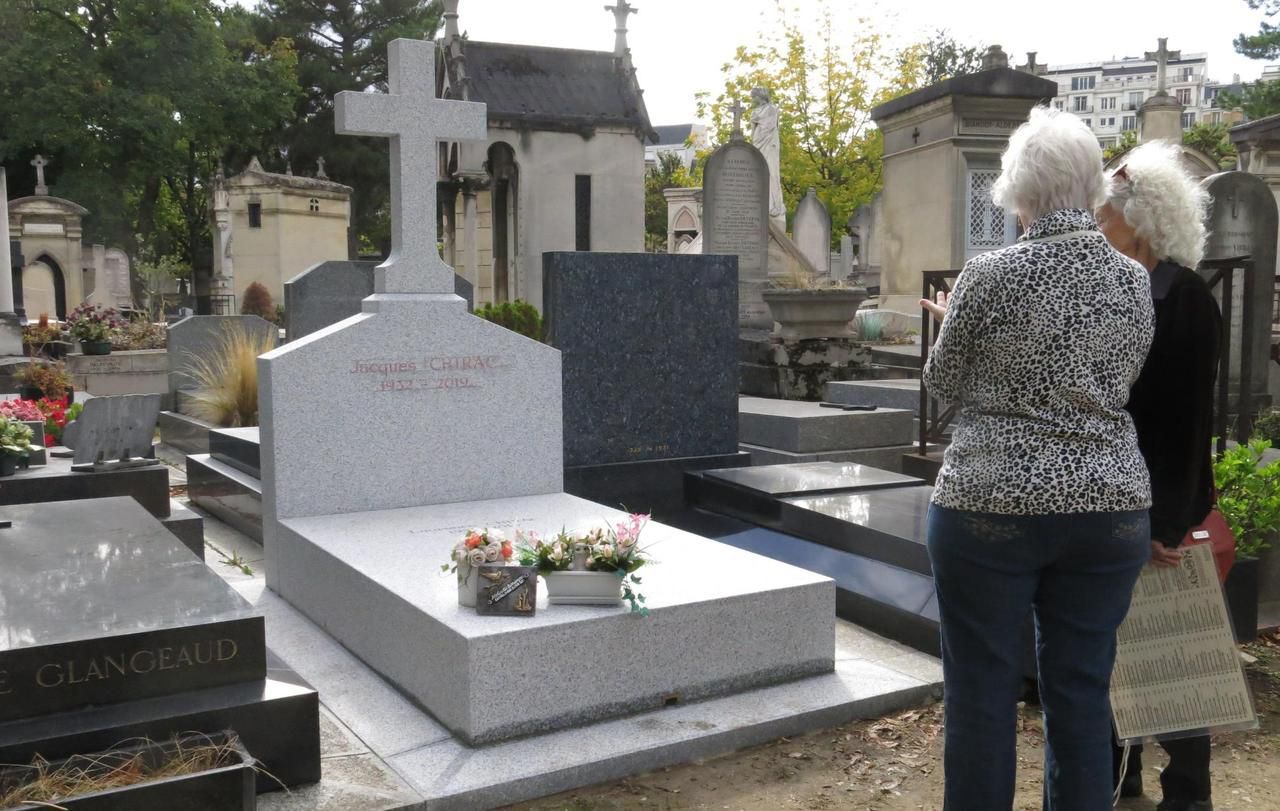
277	719
884	525
238	447
55	481
812	478
102	604
655	486
649	354
230	495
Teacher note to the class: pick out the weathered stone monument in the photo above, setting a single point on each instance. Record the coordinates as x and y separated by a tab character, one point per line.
811	231
942	148
1243	222
10	327
469	434
735	219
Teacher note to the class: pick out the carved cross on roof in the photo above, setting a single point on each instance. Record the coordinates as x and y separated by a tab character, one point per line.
1162	55
621	10
320	173
39	162
737	109
416	122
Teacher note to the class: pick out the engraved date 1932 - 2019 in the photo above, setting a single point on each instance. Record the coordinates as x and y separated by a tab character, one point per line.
431	373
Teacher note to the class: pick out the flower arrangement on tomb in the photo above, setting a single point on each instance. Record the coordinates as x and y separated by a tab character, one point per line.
92	323
613	550
53	413
478	547
39	335
15	443
22	410
47	379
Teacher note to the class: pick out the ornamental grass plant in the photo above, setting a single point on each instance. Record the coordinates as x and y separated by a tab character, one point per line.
226	390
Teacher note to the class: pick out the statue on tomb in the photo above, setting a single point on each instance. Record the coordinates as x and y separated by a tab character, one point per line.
765	137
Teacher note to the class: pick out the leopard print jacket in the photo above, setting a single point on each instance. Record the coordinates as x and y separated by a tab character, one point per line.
1039	347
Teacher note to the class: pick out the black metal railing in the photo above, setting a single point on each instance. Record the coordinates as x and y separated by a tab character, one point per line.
933	416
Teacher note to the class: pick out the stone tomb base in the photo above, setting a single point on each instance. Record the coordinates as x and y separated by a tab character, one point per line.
722	620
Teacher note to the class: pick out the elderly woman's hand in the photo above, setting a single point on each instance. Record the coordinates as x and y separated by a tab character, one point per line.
939	307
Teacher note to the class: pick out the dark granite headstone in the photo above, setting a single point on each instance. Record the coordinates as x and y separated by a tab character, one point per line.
103	605
1242	222
326	293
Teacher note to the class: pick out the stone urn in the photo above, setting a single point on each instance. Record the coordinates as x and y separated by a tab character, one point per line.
814	313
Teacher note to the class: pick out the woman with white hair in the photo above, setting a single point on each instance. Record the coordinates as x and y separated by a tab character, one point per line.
1155	214
1041	504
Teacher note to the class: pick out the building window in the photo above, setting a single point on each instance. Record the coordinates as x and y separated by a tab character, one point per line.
1184	95
1188	74
1108	103
1080	104
255	215
1088	122
582	213
1057	105
1082	82
314	205
1129	122
1135	101
1188	120
1215	117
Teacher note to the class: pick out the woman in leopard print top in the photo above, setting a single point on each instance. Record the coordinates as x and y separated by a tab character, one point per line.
1040	507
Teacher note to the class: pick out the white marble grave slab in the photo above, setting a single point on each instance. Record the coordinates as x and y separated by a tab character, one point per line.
722	620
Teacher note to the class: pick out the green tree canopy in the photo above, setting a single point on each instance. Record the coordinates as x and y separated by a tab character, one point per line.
1258	99
342	45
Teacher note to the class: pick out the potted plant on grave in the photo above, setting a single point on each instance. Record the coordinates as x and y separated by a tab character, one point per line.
33	414
477	547
1249	498
593	568
44	379
44	339
809	306
93	327
15	444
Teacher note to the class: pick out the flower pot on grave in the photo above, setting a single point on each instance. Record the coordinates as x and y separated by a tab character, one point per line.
469	582
1241	589
26	392
8	464
583	588
57	350
229	783
95	347
817	313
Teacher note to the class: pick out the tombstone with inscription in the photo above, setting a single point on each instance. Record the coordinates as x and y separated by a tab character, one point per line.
811	231
627	323
942	148
113	630
330	291
470	435
113	432
735	219
1242	221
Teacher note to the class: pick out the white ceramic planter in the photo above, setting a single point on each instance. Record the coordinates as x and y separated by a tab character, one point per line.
822	313
468	585
583	588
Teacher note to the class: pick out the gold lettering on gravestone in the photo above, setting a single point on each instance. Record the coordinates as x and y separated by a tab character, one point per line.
136	663
432	373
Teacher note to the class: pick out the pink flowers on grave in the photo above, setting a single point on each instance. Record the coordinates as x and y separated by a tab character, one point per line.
478	547
627	533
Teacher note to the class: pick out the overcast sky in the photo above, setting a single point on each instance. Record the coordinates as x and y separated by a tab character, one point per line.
678	46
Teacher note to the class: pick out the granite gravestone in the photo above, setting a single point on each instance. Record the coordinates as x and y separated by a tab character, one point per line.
198	335
328	292
114	432
735	221
112	629
1242	221
812	231
649	354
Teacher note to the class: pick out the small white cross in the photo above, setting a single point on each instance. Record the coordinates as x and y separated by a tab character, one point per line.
39	162
737	109
415	121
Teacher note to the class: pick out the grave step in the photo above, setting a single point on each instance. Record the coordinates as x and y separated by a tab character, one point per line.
110	607
802	427
901	355
55	481
903	394
183	433
230	495
884	525
186	526
238	447
888	458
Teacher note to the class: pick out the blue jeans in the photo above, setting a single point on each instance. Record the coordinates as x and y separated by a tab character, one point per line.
1076	573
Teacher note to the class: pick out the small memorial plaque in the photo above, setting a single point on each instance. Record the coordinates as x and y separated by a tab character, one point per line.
507	591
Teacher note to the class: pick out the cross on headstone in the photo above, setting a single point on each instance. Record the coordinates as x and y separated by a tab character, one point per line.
415	121
1162	55
737	109
621	10
39	162
320	174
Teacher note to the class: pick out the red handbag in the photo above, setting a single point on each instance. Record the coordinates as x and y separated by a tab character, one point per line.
1216	532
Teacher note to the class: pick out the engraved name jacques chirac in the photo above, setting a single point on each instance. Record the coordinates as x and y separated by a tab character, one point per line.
432	373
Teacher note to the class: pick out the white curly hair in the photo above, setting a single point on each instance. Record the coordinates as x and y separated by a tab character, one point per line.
1052	162
1161	202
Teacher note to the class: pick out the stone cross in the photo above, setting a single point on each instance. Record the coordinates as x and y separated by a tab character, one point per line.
621	11
320	174
416	122
1162	55
737	109
39	162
